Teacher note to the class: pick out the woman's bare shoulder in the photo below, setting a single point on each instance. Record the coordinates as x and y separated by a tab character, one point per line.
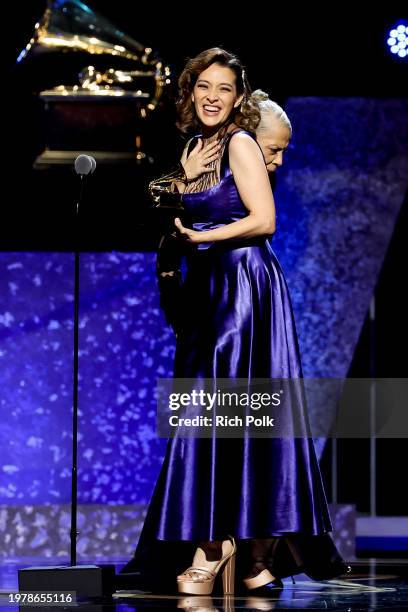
243	143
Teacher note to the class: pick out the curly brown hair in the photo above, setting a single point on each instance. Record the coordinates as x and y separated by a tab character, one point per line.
247	115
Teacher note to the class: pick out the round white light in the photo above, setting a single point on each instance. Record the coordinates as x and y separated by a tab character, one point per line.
397	40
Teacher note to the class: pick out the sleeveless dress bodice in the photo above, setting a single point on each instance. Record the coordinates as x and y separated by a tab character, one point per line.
218	205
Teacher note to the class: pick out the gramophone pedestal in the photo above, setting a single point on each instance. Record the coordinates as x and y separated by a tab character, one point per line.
107	126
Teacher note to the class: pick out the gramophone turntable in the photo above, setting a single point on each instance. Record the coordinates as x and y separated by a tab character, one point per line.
111	87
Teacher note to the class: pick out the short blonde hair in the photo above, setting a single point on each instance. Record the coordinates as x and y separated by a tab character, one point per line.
268	106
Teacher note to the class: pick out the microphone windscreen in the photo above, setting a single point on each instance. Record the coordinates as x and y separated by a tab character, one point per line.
83	164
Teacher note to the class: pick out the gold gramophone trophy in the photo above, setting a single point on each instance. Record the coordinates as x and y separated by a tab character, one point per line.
119	83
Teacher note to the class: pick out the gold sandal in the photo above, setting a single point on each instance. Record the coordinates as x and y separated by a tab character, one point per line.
199	580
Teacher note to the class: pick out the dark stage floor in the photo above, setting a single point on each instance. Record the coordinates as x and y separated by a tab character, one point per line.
373	584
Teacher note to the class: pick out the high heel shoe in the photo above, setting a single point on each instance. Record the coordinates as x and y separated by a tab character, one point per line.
199	580
261	581
264	581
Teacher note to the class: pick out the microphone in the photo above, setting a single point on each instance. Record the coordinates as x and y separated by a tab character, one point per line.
84	165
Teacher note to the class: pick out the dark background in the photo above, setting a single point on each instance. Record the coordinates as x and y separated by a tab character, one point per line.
288	50
329	51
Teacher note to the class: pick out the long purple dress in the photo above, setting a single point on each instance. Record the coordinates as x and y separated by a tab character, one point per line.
237	323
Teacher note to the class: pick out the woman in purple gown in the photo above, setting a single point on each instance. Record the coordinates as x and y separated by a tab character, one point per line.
261	496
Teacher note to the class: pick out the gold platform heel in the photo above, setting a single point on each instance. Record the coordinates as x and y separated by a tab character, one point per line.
199	580
264	577
228	575
264	581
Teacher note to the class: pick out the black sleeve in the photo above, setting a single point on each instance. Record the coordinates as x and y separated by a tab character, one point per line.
169	277
170	253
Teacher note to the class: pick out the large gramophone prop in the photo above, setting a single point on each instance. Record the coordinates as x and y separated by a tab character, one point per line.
101	85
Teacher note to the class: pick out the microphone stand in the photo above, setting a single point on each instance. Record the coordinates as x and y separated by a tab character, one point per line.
74	478
82	581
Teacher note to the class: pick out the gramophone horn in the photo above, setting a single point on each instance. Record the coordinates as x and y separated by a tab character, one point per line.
120	64
70	25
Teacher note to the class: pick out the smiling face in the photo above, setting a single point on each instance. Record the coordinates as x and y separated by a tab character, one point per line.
215	96
273	140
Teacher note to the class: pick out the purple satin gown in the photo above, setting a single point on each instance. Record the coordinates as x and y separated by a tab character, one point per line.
237	323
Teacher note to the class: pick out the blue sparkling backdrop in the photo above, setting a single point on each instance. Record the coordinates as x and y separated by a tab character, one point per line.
337	199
